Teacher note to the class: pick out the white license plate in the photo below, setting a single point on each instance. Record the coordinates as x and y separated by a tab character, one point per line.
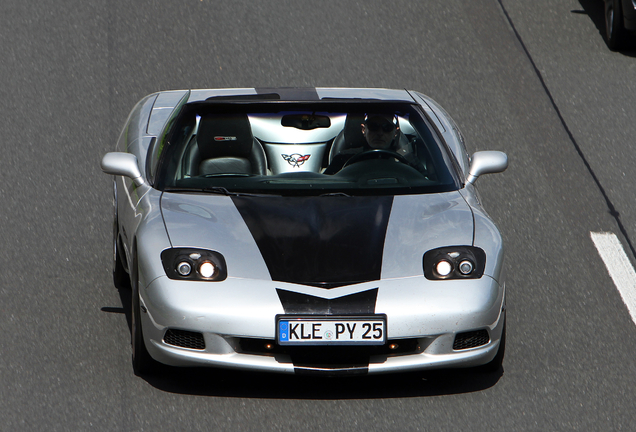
307	330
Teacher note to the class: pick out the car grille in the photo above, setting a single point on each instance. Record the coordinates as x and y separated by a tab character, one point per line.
184	339
470	339
328	355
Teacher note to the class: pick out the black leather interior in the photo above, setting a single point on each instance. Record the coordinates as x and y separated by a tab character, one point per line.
350	136
226	145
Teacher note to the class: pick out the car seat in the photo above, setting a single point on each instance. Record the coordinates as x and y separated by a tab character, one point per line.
226	146
350	136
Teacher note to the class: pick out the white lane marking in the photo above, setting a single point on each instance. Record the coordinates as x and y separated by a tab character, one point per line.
620	269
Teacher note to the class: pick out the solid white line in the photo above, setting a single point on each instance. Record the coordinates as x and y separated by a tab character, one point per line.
619	267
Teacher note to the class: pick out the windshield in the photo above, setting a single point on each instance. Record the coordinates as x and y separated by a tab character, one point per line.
304	148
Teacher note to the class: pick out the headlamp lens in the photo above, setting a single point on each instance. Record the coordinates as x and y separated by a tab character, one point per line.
207	269
466	267
443	268
184	268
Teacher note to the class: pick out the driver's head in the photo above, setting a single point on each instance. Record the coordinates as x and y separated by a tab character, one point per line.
380	130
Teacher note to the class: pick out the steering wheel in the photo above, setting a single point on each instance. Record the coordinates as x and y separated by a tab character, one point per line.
376	154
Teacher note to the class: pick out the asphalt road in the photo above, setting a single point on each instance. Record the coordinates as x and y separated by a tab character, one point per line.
533	79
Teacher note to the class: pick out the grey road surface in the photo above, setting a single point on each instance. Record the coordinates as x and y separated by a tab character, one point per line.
533	79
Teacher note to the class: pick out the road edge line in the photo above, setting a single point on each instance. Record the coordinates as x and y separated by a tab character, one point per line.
619	267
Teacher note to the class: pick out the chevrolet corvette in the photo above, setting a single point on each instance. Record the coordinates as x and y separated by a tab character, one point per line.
305	230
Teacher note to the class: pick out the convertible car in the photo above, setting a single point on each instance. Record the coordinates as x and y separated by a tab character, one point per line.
305	230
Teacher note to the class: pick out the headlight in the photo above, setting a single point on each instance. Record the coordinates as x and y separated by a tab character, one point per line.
207	269
193	264
184	268
443	268
454	262
466	267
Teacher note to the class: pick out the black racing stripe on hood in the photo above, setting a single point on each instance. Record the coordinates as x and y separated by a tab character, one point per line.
358	303
291	93
326	241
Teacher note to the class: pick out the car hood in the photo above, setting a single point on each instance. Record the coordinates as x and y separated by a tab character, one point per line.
324	241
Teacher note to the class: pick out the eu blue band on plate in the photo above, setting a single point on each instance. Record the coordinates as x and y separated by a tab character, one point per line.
283	334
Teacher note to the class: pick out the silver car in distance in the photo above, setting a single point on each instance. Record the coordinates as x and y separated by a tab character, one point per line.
305	230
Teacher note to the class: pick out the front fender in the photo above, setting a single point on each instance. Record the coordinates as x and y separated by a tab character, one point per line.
150	239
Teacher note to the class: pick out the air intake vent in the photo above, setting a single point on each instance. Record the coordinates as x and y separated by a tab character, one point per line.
184	339
471	340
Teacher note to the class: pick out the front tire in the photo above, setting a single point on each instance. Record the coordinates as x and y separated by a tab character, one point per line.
614	31
143	363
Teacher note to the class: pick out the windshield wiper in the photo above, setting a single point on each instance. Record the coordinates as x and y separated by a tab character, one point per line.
342	194
220	190
226	175
224	191
213	189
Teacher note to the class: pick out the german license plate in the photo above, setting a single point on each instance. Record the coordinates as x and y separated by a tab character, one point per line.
328	330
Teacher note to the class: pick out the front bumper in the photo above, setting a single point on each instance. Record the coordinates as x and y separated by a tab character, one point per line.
236	321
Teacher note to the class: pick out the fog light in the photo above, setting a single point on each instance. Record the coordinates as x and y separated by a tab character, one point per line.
184	268
443	268
466	267
393	346
207	269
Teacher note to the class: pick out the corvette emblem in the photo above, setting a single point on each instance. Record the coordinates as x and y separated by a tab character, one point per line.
224	138
295	159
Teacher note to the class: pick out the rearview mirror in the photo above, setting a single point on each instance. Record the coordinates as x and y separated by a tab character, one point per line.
306	121
123	164
486	162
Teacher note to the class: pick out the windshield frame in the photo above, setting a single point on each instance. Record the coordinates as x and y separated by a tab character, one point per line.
173	136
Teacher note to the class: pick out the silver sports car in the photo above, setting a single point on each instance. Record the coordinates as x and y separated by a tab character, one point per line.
305	230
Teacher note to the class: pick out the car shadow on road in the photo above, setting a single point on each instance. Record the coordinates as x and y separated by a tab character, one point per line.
224	383
240	384
125	293
595	10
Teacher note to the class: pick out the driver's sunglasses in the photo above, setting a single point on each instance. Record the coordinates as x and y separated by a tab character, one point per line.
386	127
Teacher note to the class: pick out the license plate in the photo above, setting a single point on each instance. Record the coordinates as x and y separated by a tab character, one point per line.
321	330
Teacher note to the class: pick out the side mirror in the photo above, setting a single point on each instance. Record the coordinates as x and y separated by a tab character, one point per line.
486	162
123	164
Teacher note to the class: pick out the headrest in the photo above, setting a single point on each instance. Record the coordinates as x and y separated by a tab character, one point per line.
353	130
223	135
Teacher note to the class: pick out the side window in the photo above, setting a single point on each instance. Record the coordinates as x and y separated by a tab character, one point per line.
158	144
151	162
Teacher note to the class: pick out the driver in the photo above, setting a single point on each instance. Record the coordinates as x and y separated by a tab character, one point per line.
381	131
